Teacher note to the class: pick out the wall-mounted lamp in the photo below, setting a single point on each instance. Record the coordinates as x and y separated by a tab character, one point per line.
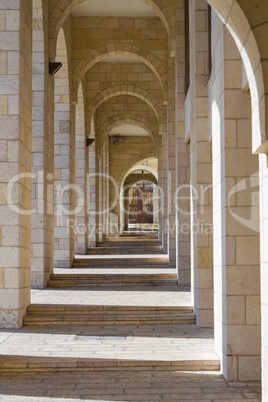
118	139
54	67
89	141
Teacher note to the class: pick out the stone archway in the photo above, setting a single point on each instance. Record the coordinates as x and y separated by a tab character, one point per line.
123	48
125	90
127	118
59	12
236	21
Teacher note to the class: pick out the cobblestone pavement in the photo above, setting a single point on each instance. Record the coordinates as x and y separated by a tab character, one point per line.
123	386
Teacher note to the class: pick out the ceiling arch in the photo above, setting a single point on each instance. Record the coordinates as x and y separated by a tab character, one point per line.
130	90
59	10
126	118
124	48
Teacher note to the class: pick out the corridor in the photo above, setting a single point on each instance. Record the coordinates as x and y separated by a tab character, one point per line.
133	200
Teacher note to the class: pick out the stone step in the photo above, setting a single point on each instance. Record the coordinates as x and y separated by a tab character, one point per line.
128	262
117	277
43	315
130	240
106	319
98	283
180	362
87	280
67	283
125	250
73	309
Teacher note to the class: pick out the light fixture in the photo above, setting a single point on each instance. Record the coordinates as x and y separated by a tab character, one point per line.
54	67
118	139
89	141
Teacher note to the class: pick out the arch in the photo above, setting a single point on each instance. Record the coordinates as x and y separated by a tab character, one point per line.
135	178
127	118
237	23
124	48
130	90
126	171
134	162
59	12
146	168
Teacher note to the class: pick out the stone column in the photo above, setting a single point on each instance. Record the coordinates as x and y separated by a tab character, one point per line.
15	159
264	270
64	156
201	169
92	196
160	192
107	215
165	182
235	216
155	204
99	231
42	152
80	177
104	184
182	160
172	149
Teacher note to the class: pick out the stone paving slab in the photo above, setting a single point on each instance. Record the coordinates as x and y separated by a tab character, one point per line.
123	386
171	342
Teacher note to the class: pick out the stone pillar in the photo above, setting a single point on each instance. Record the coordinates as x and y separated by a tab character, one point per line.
64	156
264	270
160	192
42	152
104	194
201	169
235	216
107	207
165	182
172	144
80	177
92	196
15	159
99	231
155	204
182	160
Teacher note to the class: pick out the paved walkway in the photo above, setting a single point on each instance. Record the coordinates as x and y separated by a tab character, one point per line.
163	342
123	386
